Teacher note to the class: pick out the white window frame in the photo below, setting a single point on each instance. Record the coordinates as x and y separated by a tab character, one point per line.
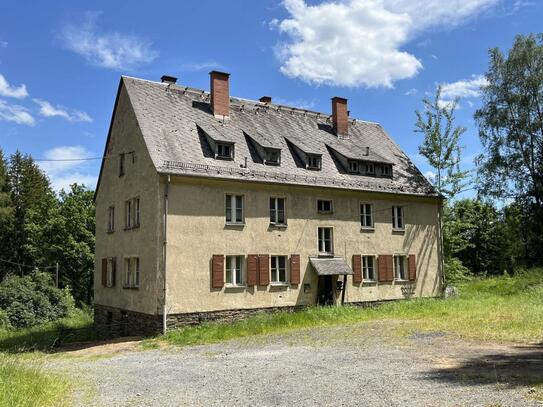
364	215
109	271
274	211
222	146
238	278
400	267
111	219
275	278
233	209
318	162
370	169
131	272
273	162
366	268
324	211
354	167
386	170
321	234
132	213
397	216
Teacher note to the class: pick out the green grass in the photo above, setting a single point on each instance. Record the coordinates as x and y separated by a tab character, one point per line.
23	383
78	327
508	309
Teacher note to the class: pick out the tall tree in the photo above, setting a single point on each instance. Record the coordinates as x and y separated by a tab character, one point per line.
441	144
6	216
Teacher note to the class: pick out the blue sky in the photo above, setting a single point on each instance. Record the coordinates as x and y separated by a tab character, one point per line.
60	62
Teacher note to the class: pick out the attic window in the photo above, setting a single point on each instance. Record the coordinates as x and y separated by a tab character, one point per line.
313	162
353	167
370	169
386	170
273	157
224	151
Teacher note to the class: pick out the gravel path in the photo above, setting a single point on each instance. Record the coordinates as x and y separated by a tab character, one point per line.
365	364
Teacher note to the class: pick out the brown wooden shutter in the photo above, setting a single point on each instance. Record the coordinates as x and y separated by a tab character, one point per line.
295	269
104	272
382	268
217	271
390	268
252	269
412	267
357	268
263	269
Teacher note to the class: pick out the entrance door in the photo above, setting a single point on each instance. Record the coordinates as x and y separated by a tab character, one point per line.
326	291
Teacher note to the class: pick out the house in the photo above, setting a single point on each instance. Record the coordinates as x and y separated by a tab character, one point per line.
215	207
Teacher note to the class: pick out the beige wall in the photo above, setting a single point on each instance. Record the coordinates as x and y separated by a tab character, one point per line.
140	180
196	225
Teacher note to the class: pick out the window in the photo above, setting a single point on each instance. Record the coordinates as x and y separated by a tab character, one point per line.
277	211
110	271
325	241
279	269
234	270
234	209
368	267
385	170
121	164
353	167
400	267
273	157
313	162
131	272
366	215
370	169
111	219
224	151
324	206
132	213
397	218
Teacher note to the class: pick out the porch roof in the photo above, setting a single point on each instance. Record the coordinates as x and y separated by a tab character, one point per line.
330	266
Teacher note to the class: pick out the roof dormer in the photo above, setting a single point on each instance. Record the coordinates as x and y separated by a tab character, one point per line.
311	159
267	147
222	145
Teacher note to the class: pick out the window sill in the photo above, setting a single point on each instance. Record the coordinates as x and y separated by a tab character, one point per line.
367	229
278	225
399	231
234	286
234	224
109	232
279	284
326	254
369	282
132	228
130	287
325	212
401	281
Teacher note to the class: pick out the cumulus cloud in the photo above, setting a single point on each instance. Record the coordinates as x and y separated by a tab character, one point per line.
49	110
67	167
359	42
15	113
7	90
462	89
112	50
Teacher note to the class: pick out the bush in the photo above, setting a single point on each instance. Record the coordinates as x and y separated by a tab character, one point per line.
455	271
33	300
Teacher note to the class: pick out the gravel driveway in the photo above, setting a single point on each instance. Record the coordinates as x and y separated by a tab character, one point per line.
359	365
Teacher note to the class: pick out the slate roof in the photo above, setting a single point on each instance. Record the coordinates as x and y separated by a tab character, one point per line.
169	114
330	266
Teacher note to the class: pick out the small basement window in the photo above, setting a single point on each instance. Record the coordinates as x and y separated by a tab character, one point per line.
273	157
224	151
324	206
353	167
313	162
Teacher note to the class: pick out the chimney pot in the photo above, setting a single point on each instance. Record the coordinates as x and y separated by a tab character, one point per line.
340	116
266	99
220	93
168	79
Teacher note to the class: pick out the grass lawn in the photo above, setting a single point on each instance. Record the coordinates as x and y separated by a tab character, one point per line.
508	309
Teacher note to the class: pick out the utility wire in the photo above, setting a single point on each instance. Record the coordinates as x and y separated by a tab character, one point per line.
26	265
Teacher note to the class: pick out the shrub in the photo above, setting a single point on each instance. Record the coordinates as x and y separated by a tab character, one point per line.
455	271
32	300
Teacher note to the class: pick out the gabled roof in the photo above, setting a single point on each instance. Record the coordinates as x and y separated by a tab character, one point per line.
169	114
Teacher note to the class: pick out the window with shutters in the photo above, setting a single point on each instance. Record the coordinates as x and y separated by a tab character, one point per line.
326	244
110	219
324	206
234	271
121	164
366	216
368	268
397	218
400	268
132	213
277	212
131	272
278	270
234	209
110	272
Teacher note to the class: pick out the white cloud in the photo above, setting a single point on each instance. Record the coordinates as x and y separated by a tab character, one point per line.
48	110
70	169
200	66
3	44
15	113
462	89
411	92
108	50
430	176
299	103
358	42
7	90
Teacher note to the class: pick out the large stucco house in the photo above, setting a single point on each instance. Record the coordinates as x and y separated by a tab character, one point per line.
215	207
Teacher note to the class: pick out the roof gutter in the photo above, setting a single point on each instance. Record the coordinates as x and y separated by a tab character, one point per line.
164	256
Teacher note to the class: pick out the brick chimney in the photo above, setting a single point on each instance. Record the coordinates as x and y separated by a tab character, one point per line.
266	99
340	116
220	94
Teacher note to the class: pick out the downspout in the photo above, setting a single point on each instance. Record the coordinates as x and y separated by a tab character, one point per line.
164	255
442	246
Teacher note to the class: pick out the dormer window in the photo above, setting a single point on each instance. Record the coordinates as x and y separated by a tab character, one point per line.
273	157
370	169
386	170
224	151
313	162
353	167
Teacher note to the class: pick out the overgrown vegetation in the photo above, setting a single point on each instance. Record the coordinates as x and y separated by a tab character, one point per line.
23	384
499	309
